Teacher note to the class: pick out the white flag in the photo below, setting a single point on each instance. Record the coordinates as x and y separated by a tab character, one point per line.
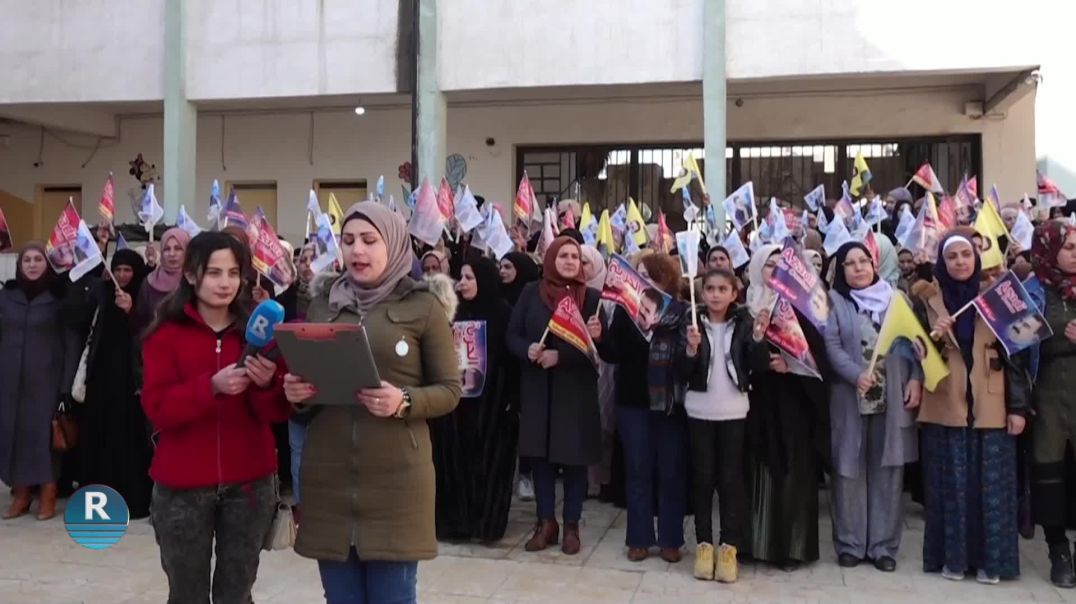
186	223
1023	231
738	255
467	211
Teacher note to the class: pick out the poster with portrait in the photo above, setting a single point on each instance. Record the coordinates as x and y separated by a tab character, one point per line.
60	248
637	295
787	335
469	338
267	254
795	280
1012	315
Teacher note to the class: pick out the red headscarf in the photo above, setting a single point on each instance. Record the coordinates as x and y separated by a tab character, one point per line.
555	286
1049	239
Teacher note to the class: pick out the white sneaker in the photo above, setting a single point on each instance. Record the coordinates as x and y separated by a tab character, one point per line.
526	489
952	575
986	579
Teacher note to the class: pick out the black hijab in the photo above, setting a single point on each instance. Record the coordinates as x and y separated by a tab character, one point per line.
956	294
526	271
840	283
31	288
488	297
131	258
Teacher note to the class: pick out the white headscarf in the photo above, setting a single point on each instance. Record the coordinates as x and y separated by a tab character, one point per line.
760	296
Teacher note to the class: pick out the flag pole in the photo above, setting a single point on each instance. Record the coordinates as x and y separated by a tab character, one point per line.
545	333
935	335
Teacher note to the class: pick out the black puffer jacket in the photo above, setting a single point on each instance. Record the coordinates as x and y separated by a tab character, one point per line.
739	351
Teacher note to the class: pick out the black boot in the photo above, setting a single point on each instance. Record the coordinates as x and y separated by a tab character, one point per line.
1061	574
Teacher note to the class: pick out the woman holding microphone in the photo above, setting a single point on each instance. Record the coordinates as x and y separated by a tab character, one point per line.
368	479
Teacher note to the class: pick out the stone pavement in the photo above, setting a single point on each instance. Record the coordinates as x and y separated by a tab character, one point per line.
39	564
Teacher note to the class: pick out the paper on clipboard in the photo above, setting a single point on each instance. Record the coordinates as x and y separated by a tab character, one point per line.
334	357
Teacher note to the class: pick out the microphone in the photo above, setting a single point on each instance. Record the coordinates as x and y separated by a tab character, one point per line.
263	321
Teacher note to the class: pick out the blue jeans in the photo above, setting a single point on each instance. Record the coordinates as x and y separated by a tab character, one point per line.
296	439
545	489
655	468
374	582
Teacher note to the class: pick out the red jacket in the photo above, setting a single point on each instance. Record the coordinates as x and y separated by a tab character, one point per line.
205	439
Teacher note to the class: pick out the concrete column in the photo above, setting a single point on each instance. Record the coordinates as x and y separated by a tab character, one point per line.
429	106
714	101
180	116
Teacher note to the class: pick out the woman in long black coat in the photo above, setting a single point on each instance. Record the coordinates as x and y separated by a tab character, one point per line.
559	418
40	354
115	446
474	447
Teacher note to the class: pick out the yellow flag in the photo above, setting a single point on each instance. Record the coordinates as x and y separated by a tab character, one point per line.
681	181
990	225
900	322
335	213
585	216
861	174
636	224
605	233
692	167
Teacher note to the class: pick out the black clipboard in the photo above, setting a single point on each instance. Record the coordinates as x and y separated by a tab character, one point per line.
334	357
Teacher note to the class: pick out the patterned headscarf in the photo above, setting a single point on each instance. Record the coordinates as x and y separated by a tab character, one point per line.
1049	239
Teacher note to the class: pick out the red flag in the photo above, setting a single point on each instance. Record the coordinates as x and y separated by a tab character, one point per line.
60	248
567	221
1050	195
665	236
446	204
5	233
267	254
107	205
523	207
947	212
973	186
926	178
872	246
567	324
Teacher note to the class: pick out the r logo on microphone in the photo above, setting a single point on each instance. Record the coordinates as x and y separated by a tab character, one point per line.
258	326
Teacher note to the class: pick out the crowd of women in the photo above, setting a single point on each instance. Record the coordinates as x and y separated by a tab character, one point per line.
661	422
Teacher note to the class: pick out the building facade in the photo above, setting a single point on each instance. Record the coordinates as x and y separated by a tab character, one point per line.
596	99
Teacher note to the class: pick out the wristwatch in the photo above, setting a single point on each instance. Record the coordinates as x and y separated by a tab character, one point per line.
405	406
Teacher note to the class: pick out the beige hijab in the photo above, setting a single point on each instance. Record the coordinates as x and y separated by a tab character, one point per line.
345	293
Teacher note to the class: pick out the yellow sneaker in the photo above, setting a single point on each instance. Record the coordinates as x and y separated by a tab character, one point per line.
704	562
727	567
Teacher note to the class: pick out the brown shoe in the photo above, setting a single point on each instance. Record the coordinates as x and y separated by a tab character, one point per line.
46	509
546	533
638	554
20	505
571	539
671	555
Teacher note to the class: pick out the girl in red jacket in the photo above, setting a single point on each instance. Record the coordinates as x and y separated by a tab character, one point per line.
215	459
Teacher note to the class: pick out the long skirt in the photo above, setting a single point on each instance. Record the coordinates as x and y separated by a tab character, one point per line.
971	501
475	459
784	511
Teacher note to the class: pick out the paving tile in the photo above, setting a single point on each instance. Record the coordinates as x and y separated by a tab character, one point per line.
40	564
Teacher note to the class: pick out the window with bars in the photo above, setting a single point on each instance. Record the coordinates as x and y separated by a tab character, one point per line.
606	175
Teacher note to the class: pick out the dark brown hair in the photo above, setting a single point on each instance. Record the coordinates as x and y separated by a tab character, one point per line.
723	273
664	271
196	262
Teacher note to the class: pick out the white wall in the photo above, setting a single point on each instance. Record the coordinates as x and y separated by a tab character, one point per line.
64	50
89	50
275	147
268	48
566	42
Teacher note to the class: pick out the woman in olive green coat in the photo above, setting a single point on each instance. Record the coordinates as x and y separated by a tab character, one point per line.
368	478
